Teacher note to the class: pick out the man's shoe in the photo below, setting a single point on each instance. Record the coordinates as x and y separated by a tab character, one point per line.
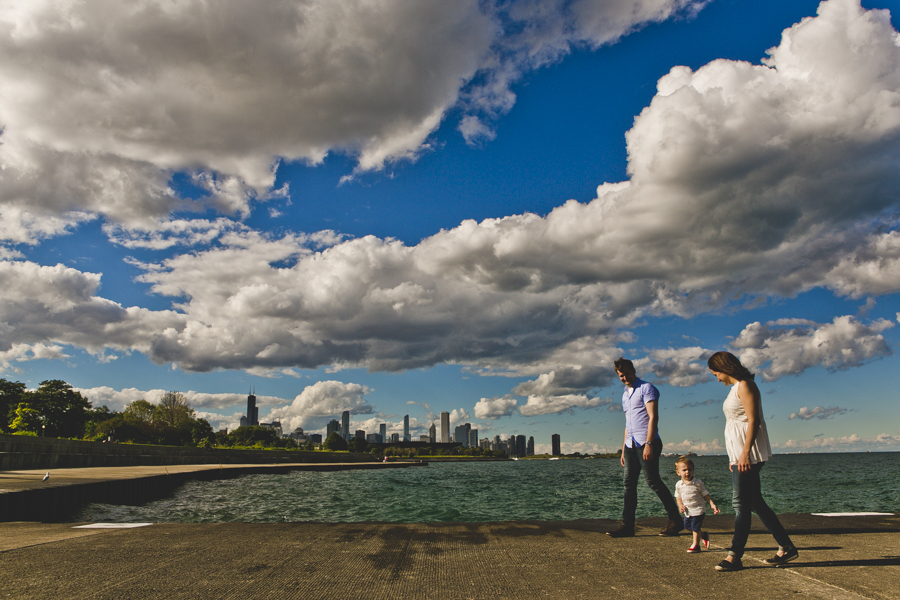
788	556
704	537
672	529
622	531
726	565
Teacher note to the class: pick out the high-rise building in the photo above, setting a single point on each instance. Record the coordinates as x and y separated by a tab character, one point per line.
406	437
521	449
461	434
554	445
530	447
473	438
333	425
445	427
395	437
511	446
382	430
360	434
252	410
432	434
345	424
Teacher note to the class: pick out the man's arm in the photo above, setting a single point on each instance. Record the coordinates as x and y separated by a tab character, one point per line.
622	455
651	428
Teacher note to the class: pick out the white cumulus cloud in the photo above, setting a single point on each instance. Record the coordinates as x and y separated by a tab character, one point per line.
789	347
818	412
744	180
494	408
322	401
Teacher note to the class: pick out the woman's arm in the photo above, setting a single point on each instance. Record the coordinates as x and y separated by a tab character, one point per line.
748	394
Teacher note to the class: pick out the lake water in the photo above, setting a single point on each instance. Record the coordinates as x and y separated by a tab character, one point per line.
540	490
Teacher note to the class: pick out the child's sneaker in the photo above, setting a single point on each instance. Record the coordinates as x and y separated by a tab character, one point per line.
704	537
693	549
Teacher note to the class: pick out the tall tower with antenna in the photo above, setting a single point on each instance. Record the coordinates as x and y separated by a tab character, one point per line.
252	410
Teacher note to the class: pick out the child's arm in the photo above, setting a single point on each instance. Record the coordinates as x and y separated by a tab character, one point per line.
678	500
712	504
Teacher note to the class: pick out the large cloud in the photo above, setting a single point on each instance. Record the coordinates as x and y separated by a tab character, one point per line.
119	399
494	408
102	101
790	346
744	180
323	401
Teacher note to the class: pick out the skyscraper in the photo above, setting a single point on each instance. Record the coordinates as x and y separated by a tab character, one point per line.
406	437
432	434
521	449
382	429
461	434
445	427
333	425
473	438
554	445
345	424
529	449
252	410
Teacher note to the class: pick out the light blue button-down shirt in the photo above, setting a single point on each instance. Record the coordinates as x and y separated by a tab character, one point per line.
634	400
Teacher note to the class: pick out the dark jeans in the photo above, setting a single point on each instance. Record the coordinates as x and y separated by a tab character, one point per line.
634	464
748	499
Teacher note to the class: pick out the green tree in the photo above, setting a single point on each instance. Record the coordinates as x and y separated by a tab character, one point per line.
252	435
358	445
10	397
173	410
140	410
26	419
335	442
96	416
62	409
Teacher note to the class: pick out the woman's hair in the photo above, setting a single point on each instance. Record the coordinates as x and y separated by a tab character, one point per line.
728	363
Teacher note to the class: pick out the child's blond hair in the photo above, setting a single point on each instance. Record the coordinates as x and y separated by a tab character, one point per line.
684	460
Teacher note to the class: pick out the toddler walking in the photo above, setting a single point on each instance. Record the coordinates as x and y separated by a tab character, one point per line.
691	495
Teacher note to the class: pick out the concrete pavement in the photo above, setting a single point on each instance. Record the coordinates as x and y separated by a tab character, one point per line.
843	558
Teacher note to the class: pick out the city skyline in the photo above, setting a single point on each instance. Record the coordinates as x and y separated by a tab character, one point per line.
469	207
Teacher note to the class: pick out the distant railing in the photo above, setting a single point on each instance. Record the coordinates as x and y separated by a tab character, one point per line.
26	452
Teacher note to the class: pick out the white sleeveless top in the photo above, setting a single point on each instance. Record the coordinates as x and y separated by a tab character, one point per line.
736	431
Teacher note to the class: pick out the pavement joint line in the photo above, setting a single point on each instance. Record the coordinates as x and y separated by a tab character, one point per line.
819	581
797	573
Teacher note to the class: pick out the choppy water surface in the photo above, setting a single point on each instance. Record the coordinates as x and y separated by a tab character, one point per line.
503	491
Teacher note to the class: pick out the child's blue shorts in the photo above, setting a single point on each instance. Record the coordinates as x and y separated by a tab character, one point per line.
693	523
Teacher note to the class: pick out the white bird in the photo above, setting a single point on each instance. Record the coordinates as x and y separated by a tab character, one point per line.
46	477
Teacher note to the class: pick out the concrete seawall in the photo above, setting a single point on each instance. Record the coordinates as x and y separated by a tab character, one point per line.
24	496
842	558
25	452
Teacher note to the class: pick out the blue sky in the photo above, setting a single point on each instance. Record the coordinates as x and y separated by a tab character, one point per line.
405	208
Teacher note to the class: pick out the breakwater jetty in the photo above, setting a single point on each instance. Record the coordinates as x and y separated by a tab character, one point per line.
83	472
841	558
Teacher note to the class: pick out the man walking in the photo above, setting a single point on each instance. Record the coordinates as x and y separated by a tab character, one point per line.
641	448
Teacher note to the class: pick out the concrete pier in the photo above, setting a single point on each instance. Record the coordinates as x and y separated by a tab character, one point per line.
846	558
841	557
26	496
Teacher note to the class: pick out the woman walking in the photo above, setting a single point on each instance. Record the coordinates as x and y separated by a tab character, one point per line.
747	443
